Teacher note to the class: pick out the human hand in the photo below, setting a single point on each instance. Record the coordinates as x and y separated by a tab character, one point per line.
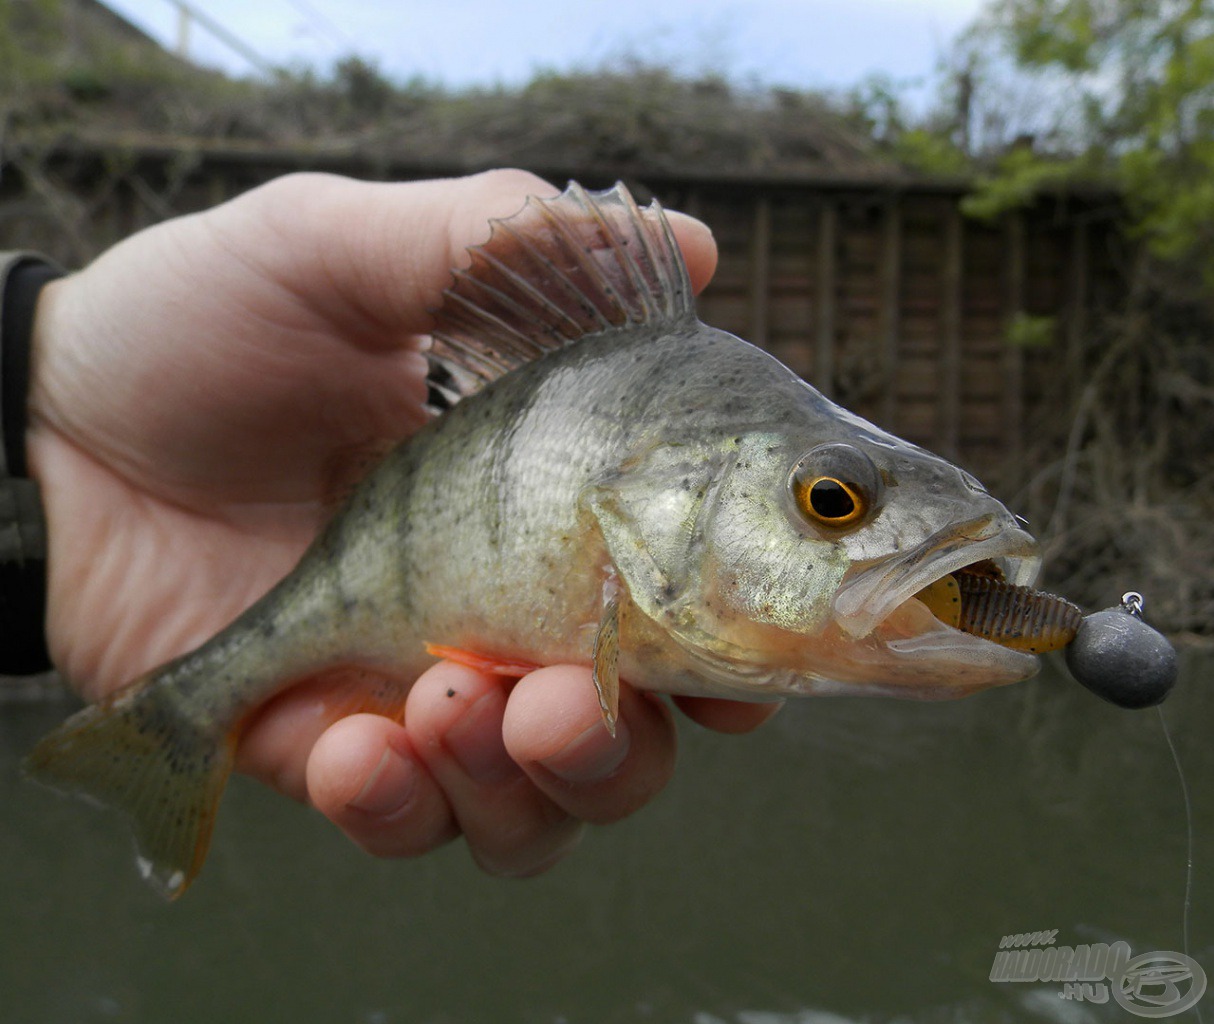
199	394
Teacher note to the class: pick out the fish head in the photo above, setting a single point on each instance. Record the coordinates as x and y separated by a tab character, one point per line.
795	559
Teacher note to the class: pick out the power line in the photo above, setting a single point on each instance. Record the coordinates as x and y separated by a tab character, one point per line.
325	26
187	12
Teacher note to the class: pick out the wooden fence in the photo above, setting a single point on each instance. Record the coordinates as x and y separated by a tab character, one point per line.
955	334
959	335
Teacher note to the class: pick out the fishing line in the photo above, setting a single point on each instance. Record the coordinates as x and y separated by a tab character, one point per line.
1188	816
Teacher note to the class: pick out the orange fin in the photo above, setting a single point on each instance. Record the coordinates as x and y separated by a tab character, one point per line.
481	662
140	752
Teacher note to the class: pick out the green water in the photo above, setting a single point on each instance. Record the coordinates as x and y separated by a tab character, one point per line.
854	861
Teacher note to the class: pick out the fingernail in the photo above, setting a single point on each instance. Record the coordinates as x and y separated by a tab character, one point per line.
389	788
592	756
476	741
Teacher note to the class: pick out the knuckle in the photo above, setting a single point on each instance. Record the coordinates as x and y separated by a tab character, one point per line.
511	180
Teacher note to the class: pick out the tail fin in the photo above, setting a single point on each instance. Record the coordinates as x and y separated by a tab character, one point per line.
138	752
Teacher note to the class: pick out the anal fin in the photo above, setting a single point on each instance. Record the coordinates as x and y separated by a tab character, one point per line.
481	662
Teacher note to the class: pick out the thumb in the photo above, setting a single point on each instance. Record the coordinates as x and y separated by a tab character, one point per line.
379	255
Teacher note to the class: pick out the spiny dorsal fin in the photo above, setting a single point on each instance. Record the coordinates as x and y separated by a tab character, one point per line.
559	270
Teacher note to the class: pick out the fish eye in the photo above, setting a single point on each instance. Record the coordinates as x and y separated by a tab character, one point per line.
835	485
831	501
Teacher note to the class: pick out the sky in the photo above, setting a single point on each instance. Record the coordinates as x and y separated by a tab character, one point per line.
806	44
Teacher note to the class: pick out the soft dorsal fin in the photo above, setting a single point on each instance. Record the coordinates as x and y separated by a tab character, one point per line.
559	270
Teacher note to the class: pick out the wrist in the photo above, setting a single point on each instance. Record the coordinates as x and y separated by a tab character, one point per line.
23	583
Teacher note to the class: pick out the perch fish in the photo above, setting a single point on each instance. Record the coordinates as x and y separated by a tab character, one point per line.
618	485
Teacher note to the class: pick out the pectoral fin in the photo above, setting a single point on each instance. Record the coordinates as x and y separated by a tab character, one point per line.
606	663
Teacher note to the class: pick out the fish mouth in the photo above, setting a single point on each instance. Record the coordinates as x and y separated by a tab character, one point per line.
961	597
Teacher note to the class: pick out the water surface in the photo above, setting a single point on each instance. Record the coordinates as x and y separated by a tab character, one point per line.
854	861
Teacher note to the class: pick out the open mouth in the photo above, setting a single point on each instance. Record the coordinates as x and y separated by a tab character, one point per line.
975	580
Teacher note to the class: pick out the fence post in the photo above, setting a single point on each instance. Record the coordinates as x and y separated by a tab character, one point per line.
1076	310
1013	354
824	348
889	318
948	425
760	272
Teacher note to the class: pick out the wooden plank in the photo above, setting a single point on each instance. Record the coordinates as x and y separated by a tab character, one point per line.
1013	355
216	189
949	424
888	314
1077	310
824	345
693	203
760	272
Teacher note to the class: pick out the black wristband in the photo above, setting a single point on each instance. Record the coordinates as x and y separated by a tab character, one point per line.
23	649
25	281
